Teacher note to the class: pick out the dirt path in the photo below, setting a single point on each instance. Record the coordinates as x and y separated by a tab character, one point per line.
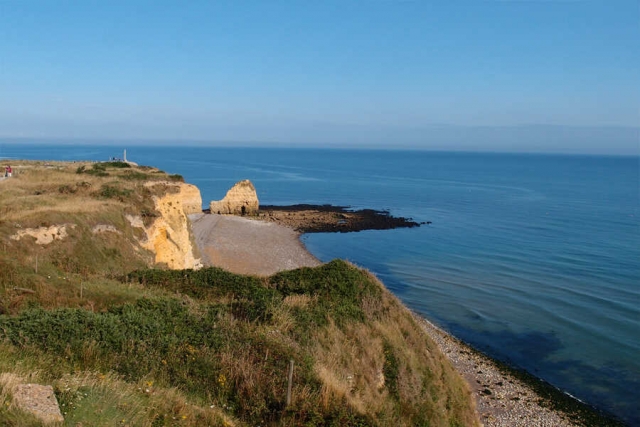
248	246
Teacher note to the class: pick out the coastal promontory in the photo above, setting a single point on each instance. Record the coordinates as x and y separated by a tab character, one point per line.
105	300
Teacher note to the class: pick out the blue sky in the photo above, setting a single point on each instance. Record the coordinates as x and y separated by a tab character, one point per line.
443	75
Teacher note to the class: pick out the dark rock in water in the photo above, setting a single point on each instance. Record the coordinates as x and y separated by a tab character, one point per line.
332	219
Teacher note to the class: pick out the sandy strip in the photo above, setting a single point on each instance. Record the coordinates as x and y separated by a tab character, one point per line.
246	246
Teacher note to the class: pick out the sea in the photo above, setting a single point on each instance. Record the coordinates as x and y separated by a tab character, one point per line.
532	259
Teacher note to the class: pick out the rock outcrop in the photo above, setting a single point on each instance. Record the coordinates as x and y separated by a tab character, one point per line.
35	399
44	235
241	199
169	236
105	228
191	199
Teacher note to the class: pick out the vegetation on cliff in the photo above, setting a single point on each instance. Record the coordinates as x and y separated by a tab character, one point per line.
125	344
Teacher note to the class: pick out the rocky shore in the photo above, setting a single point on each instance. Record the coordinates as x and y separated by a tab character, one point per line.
331	219
506	397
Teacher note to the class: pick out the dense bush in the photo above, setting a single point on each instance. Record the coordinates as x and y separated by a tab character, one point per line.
112	192
339	290
132	175
250	298
115	164
97	169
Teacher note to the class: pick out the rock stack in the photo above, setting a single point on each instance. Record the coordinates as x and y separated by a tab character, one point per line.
241	199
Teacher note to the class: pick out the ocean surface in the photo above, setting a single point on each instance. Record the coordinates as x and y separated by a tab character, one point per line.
533	259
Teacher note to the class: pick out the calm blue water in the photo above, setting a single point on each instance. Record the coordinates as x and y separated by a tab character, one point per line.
534	259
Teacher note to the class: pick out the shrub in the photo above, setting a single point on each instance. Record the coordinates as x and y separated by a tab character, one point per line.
120	165
391	369
97	169
66	189
111	192
249	297
135	175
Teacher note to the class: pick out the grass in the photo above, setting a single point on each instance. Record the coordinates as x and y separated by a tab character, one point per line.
226	340
124	344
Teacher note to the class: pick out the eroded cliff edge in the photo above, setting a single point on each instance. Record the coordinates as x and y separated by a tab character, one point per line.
91	217
169	236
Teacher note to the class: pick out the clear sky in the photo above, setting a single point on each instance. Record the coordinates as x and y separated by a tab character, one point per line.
487	75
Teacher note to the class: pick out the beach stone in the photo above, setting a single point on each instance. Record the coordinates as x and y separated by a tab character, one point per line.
38	400
241	199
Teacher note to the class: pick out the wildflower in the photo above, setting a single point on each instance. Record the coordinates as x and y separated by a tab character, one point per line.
222	380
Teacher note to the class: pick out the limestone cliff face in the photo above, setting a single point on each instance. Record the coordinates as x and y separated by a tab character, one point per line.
191	199
169	236
241	199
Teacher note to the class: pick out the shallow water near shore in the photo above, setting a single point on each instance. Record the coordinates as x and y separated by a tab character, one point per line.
533	259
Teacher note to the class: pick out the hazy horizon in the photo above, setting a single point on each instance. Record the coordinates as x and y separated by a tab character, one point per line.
515	76
534	139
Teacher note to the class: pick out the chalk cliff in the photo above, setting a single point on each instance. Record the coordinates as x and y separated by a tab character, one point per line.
169	235
241	199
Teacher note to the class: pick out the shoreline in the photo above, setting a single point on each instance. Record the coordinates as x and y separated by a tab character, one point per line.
507	396
247	246
504	396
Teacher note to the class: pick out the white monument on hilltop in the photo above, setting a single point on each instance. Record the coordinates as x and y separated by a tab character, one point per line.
127	161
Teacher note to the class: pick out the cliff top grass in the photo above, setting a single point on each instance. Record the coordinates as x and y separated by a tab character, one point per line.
40	190
68	202
125	344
